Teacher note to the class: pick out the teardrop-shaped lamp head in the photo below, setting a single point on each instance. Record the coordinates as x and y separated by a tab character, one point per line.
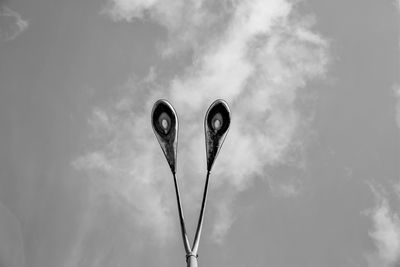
216	126
165	126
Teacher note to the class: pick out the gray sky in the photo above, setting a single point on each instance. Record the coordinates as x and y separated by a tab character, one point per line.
308	175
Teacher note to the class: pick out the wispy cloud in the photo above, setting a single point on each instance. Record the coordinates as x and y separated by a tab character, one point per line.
386	220
385	232
11	24
258	55
188	23
397	4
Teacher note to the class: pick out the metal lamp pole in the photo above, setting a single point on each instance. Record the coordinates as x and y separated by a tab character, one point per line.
165	126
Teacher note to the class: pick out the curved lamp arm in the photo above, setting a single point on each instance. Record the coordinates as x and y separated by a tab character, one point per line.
181	219
196	242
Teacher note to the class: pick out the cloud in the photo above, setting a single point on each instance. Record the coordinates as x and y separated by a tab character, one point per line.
259	56
126	169
11	24
385	232
397	4
187	22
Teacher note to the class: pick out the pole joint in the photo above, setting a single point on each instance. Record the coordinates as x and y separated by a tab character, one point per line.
191	259
191	255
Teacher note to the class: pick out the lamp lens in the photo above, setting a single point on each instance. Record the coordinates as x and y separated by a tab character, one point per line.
217	121
165	122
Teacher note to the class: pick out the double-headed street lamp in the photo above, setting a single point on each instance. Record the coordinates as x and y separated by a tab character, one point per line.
165	126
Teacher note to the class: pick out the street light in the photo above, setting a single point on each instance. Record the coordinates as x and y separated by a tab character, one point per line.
165	126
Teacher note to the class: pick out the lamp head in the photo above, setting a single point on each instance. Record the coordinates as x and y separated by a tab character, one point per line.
165	126
216	126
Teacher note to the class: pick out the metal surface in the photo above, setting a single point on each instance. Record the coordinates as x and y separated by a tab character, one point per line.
196	242
165	126
216	126
191	260
181	219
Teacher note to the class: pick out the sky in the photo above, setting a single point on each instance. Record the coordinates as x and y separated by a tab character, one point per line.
308	175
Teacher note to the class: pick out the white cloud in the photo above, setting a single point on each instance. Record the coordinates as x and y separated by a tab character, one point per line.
258	55
385	233
397	4
11	24
187	21
126	168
